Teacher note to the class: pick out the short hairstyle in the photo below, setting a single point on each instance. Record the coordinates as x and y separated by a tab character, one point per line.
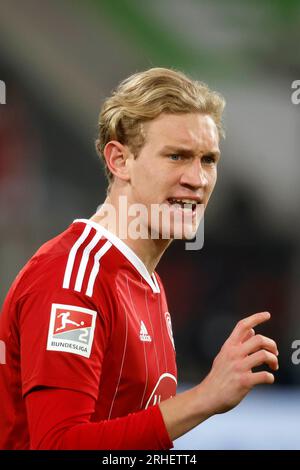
143	97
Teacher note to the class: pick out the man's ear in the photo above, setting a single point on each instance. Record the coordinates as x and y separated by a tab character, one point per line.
116	155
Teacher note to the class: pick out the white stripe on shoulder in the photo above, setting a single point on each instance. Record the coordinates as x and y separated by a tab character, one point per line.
72	255
126	251
96	267
84	261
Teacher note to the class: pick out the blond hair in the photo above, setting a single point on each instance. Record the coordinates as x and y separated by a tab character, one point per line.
143	97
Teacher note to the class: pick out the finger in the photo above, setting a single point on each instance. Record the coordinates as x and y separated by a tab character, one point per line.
248	335
263	377
261	357
246	324
258	342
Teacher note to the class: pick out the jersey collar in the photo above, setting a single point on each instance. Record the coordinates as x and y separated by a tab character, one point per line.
127	252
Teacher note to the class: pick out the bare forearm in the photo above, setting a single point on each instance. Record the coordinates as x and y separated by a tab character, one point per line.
185	411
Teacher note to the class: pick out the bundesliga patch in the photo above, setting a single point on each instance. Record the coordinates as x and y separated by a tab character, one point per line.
71	329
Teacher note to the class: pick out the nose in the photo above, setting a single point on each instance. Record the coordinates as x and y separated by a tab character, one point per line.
194	175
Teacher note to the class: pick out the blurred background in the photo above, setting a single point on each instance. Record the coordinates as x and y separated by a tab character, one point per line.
59	59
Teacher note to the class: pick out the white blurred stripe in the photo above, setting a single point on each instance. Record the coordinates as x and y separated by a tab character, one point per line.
72	255
96	267
84	261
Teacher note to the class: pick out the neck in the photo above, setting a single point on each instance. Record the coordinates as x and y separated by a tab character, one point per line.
147	249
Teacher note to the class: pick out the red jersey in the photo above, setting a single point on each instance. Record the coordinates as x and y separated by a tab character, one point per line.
85	315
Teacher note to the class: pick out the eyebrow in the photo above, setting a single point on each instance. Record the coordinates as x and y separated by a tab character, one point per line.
187	152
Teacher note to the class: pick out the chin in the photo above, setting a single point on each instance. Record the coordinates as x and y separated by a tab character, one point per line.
181	232
184	234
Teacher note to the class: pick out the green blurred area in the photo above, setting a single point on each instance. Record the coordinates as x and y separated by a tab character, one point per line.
272	29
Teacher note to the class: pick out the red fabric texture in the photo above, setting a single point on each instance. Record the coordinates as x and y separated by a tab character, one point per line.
59	419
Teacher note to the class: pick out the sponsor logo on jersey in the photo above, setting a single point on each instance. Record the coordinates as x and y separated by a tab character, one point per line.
169	327
71	329
164	388
144	335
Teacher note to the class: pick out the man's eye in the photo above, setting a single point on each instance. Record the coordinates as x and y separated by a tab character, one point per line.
175	157
208	159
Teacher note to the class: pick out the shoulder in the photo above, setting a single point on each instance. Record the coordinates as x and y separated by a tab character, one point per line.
72	261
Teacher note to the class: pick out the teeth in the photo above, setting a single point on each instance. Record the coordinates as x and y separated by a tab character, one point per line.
189	201
183	201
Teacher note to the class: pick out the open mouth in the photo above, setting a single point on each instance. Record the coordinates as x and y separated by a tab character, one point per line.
189	204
